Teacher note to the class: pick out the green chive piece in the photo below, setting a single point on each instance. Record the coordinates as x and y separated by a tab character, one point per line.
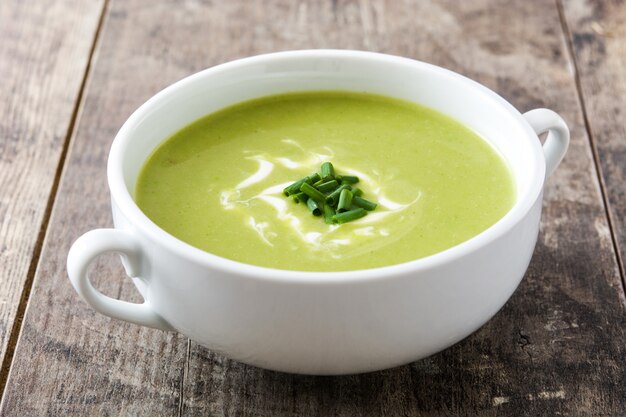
300	197
329	212
348	216
314	207
328	171
314	177
357	192
295	187
318	183
312	192
349	179
334	196
366	204
345	200
328	186
338	178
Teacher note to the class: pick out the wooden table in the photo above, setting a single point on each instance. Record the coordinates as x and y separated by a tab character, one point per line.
72	71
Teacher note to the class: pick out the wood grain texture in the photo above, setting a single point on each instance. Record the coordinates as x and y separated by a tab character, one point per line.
556	348
597	31
70	360
44	51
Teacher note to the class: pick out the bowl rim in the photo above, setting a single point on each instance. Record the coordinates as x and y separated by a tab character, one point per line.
122	198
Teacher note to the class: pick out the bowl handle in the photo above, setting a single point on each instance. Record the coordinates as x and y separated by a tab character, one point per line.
555	146
85	250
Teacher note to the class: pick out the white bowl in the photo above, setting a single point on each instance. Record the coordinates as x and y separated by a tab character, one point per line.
321	322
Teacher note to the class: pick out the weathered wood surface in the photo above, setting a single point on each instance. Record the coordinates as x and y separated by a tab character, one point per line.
557	348
44	51
597	31
70	360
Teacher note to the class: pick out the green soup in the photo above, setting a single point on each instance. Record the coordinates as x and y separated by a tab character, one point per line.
217	184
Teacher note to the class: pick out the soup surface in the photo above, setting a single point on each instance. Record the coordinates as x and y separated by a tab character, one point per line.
217	183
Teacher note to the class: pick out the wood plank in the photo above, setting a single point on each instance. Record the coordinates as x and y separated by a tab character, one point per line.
70	360
597	32
44	52
555	348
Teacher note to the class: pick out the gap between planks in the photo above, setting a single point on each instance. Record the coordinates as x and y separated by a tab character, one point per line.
592	144
16	328
181	400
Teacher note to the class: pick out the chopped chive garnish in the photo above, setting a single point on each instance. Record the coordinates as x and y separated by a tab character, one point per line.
314	207
329	212
348	216
328	186
366	204
328	171
349	179
312	192
300	197
333	197
345	200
